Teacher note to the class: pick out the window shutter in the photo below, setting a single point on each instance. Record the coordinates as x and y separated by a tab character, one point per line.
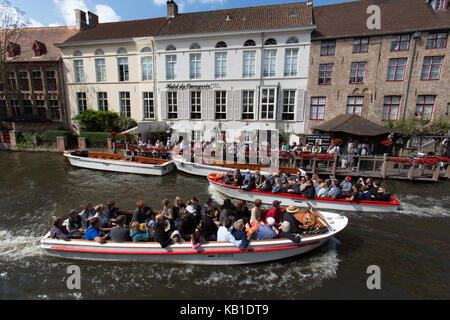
238	105
163	100
186	106
300	104
279	105
204	104
229	105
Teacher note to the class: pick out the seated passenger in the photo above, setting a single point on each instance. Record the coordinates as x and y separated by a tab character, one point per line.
120	233
346	187
355	195
289	216
176	238
141	213
286	234
277	187
75	222
94	233
208	228
238	178
366	196
59	231
196	240
160	233
100	214
224	234
239	233
323	191
87	213
111	211
382	195
138	235
266	187
255	215
334	191
293	187
186	225
310	191
266	231
275	213
249	185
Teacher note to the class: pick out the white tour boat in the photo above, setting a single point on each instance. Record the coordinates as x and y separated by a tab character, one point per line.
211	253
230	191
121	163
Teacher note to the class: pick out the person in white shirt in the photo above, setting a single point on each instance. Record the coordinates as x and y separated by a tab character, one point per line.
224	234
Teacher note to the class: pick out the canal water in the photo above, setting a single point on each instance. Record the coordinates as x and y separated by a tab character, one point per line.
411	247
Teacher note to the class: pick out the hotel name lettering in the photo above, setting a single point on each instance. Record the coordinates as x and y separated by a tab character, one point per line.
189	86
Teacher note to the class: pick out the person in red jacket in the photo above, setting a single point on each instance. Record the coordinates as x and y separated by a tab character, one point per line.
275	212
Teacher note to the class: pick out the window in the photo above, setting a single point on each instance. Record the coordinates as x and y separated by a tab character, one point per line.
326	73
328	48
361	45
195	46
400	42
317	110
79	70
437	40
358	72
3	108
221	64
424	107
396	69
171	67
100	70
391	107
248	105
123	69
51	80
12	81
122	51
82	102
27	106
292	40
147	68
270	57
290	62
55	114
355	105
13	50
37	80
40	107
270	42
196	105
125	104
249	64
268	99
221	44
440	5
288	105
195	63
250	43
431	69
221	105
172	104
146	50
149	105
171	47
23	81
77	53
102	99
15	107
99	52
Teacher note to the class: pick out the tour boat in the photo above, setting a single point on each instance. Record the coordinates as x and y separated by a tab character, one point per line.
230	191
202	169
210	253
120	163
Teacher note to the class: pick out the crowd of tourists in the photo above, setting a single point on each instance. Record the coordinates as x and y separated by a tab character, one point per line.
302	185
186	221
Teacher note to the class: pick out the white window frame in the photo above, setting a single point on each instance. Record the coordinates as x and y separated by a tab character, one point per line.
220	59
195	65
100	70
289	104
123	69
268	107
270	63
196	105
148	102
78	67
171	67
147	68
125	103
221	107
172	105
248	103
81	102
102	101
249	64
291	62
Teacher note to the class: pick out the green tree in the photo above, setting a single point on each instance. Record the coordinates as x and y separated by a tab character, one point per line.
104	121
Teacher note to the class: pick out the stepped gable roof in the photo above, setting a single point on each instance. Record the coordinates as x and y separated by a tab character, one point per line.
119	30
350	18
267	17
353	124
44	37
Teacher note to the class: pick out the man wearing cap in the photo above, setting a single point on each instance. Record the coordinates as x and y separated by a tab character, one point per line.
274	213
346	187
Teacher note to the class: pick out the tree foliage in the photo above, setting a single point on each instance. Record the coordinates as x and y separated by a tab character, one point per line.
104	121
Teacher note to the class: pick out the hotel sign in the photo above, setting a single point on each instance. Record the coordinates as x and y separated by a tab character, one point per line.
182	86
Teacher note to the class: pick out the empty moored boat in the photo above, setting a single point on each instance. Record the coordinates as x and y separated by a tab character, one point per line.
120	163
234	192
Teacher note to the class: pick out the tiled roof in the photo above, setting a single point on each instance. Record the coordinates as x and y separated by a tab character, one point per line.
42	36
120	30
350	18
241	19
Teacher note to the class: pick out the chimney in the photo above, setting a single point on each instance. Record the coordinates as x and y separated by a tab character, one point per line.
93	19
80	20
172	9
309	2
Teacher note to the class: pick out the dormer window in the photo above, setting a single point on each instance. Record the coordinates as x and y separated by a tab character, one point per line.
13	49
270	42
39	49
249	43
440	5
221	44
292	40
171	47
195	46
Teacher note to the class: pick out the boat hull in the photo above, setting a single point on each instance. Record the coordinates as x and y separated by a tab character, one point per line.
212	253
121	166
286	200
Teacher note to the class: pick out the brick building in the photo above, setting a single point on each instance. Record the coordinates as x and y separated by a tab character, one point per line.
34	90
399	71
